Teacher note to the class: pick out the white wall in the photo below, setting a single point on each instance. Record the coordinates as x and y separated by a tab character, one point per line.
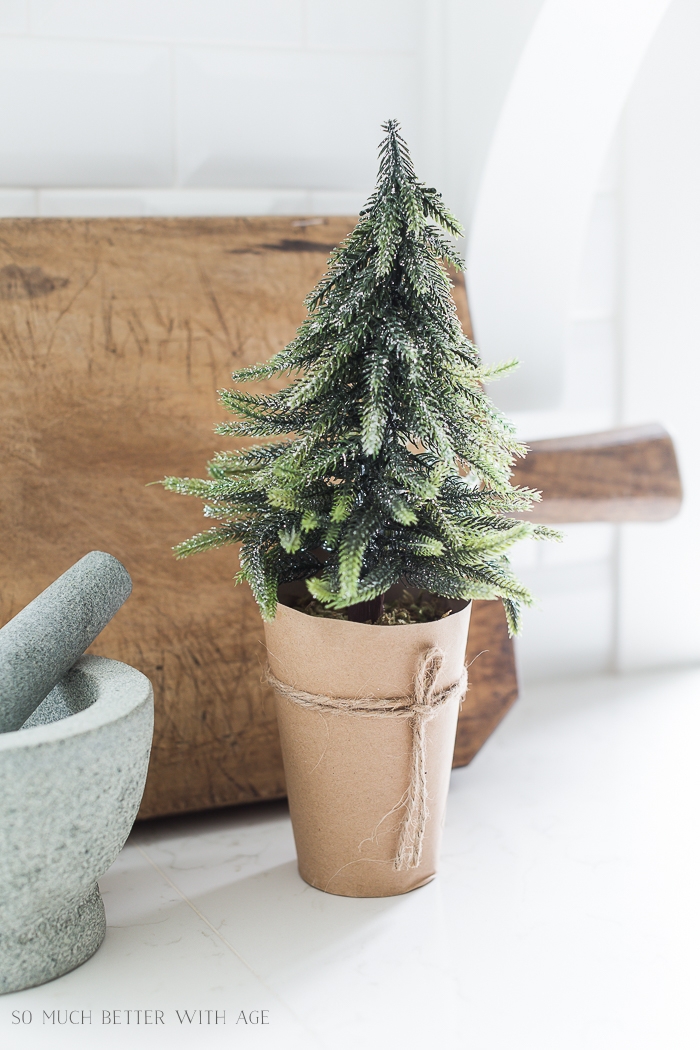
573	627
660	565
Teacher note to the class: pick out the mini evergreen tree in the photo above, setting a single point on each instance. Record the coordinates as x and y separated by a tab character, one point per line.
388	462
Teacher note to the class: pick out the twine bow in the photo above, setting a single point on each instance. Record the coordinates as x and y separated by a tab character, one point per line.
419	708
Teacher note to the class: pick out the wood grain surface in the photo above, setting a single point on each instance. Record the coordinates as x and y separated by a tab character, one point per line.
115	336
493	680
627	474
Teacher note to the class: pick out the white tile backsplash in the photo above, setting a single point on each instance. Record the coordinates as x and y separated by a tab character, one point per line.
59	204
660	563
611	174
242	22
84	114
570	630
95	203
287	120
18	203
596	291
14	16
364	24
590	373
583	544
525	555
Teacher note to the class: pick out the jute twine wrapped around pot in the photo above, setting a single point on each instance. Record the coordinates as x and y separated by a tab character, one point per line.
367	717
420	708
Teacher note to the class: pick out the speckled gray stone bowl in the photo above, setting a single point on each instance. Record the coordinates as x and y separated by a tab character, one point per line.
71	781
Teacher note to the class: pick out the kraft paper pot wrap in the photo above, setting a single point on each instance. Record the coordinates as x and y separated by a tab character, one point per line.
348	775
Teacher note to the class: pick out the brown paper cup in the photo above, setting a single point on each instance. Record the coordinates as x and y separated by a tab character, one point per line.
346	775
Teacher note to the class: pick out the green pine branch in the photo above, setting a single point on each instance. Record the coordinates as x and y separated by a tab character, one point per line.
383	460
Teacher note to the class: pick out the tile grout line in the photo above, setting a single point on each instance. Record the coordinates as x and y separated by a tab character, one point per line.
213	44
223	940
196	910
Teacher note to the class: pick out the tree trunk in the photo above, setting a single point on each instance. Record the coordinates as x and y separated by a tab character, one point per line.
367	611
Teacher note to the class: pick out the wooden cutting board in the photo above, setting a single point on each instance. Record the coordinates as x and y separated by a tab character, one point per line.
115	336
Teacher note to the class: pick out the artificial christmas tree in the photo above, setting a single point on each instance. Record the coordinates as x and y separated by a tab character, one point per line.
393	471
399	467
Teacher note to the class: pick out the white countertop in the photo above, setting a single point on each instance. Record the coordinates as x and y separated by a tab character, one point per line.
566	915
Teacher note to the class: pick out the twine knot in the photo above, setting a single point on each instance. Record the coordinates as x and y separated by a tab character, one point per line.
419	708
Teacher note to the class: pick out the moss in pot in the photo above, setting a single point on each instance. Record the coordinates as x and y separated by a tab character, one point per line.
384	468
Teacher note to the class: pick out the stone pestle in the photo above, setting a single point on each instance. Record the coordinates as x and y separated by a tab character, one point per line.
45	639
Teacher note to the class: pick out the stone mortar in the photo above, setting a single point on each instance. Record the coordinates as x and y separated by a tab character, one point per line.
71	782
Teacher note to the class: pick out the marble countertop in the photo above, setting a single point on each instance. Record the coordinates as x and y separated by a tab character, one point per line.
566	915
